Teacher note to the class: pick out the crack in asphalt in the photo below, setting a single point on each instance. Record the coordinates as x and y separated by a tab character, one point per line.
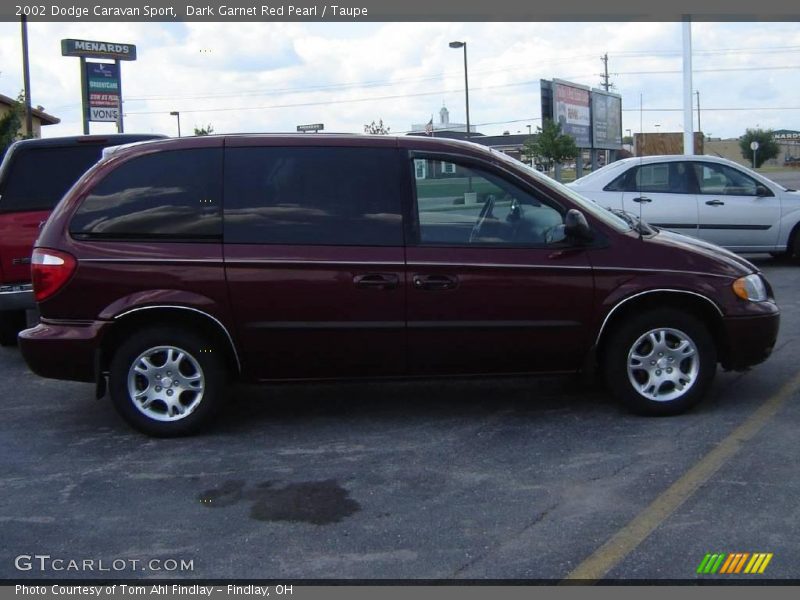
499	547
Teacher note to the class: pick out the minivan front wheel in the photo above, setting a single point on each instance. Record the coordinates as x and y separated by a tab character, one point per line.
166	382
661	362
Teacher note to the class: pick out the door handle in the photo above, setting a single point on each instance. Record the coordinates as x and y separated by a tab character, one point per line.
715	202
642	200
435	282
377	281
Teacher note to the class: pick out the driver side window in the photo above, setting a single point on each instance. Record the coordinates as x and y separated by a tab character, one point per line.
471	207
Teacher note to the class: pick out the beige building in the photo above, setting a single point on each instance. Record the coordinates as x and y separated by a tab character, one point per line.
39	117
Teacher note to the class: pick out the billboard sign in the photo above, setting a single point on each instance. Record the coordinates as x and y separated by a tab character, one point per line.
571	110
606	120
103	91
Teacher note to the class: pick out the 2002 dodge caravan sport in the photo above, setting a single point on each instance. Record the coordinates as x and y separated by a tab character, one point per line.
175	266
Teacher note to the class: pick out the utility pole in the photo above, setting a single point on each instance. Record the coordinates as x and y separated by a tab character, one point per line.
699	129
688	118
26	77
606	85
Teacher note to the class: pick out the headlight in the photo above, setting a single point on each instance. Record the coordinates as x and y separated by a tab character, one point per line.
750	288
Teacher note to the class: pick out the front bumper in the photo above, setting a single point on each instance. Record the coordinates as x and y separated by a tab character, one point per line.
63	349
17	296
750	340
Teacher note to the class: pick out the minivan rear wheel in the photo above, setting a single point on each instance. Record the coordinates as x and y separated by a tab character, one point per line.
166	381
660	362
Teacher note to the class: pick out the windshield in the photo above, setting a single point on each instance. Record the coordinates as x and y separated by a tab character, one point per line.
603	214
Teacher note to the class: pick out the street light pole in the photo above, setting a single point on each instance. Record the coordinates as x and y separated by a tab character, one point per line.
466	78
176	113
26	77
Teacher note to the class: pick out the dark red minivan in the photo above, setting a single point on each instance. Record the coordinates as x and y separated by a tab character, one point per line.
175	266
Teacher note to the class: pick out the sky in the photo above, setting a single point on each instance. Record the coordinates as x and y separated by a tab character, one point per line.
271	77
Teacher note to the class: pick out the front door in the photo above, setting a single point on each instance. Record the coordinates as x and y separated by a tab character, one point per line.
492	285
732	213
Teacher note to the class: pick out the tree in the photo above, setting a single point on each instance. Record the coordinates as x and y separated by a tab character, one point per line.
204	130
767	146
552	145
10	124
377	128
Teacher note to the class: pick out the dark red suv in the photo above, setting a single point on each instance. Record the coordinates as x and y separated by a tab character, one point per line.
34	175
175	266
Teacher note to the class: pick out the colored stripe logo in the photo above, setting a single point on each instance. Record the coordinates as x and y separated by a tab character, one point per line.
734	563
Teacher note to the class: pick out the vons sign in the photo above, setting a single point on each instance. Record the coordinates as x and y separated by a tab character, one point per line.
90	49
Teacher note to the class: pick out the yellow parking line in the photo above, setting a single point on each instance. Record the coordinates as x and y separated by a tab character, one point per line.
622	543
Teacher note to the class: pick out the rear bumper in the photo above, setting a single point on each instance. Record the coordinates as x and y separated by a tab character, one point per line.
750	339
17	296
63	350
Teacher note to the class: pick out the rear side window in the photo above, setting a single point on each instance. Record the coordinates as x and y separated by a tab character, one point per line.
669	177
37	178
173	195
313	196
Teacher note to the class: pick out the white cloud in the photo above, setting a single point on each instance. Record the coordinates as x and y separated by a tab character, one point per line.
273	76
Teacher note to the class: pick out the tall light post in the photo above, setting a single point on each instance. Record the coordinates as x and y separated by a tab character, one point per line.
26	76
466	79
176	113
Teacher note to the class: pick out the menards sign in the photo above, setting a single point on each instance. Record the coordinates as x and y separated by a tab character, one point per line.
91	49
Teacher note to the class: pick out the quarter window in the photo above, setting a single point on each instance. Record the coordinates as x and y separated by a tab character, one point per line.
172	194
313	196
480	208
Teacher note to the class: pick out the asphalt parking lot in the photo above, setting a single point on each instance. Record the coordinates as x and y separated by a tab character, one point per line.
490	478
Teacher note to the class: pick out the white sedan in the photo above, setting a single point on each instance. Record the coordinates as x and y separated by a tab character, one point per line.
711	198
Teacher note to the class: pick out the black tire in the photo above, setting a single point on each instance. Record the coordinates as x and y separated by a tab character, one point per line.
674	326
11	323
793	248
200	356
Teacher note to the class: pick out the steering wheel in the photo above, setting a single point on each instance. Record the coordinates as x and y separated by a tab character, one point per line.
486	211
514	211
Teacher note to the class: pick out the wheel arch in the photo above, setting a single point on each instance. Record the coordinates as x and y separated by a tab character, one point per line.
691	302
193	319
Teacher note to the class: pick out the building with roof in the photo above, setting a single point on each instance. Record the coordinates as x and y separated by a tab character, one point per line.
39	118
444	125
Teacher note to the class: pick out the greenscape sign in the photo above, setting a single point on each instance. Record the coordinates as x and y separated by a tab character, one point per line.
103	91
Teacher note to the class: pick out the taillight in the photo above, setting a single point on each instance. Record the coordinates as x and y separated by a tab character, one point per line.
50	270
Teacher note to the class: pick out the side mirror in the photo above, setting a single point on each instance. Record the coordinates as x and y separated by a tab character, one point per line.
576	226
762	190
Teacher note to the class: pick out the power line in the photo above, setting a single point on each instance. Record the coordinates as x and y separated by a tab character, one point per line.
422	94
390	82
706	109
